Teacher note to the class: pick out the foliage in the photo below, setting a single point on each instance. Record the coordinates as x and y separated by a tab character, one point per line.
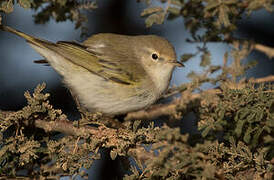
24	148
171	154
59	10
217	18
235	120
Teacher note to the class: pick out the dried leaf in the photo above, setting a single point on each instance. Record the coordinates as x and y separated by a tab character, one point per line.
173	10
7	7
223	15
185	57
25	3
205	61
176	3
113	154
157	18
151	10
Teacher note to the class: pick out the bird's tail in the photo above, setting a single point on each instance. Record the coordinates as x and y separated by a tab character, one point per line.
29	38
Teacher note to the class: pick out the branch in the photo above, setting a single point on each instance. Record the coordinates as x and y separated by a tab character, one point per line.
179	105
269	51
65	126
186	102
154	112
262	80
171	109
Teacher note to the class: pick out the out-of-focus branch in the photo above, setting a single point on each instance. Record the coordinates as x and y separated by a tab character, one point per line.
262	80
269	51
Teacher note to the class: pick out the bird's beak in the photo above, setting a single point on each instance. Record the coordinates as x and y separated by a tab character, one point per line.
178	64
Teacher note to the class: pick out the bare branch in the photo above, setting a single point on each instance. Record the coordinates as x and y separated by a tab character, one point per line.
157	111
65	126
262	80
269	51
153	112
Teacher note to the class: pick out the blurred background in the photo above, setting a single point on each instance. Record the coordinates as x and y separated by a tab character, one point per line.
18	73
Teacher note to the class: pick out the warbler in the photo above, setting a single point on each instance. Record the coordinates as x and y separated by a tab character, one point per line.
110	73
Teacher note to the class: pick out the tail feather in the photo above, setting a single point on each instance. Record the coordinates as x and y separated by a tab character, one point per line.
29	38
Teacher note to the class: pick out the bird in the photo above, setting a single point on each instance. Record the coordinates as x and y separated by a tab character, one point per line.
110	73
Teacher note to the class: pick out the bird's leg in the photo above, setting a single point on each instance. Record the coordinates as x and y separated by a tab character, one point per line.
97	118
81	110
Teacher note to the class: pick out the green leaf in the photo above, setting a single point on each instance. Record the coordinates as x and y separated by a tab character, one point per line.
256	136
239	127
230	2
62	2
247	135
268	139
206	131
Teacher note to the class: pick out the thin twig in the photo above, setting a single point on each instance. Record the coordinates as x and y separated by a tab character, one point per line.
76	146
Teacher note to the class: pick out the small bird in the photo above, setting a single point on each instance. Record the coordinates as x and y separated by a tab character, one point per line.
110	73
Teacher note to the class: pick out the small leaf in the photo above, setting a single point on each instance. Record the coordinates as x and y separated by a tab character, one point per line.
186	57
223	15
256	136
157	18
192	75
7	7
247	135
213	69
206	131
205	59
211	5
230	2
62	2
25	3
239	127
136	124
151	10
113	154
174	11
176	2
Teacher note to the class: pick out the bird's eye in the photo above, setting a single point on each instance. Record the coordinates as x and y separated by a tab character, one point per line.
154	56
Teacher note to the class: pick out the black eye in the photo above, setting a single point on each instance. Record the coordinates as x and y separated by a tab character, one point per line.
154	56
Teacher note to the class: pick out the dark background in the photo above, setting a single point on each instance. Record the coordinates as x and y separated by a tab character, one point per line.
18	73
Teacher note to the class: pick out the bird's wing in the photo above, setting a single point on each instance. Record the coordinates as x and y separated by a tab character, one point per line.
109	68
117	71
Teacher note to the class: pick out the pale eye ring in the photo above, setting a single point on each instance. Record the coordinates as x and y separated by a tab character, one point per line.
154	56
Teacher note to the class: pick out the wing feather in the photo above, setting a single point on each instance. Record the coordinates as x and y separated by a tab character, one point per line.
101	66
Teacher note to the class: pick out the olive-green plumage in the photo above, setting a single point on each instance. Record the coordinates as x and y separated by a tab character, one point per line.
110	73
